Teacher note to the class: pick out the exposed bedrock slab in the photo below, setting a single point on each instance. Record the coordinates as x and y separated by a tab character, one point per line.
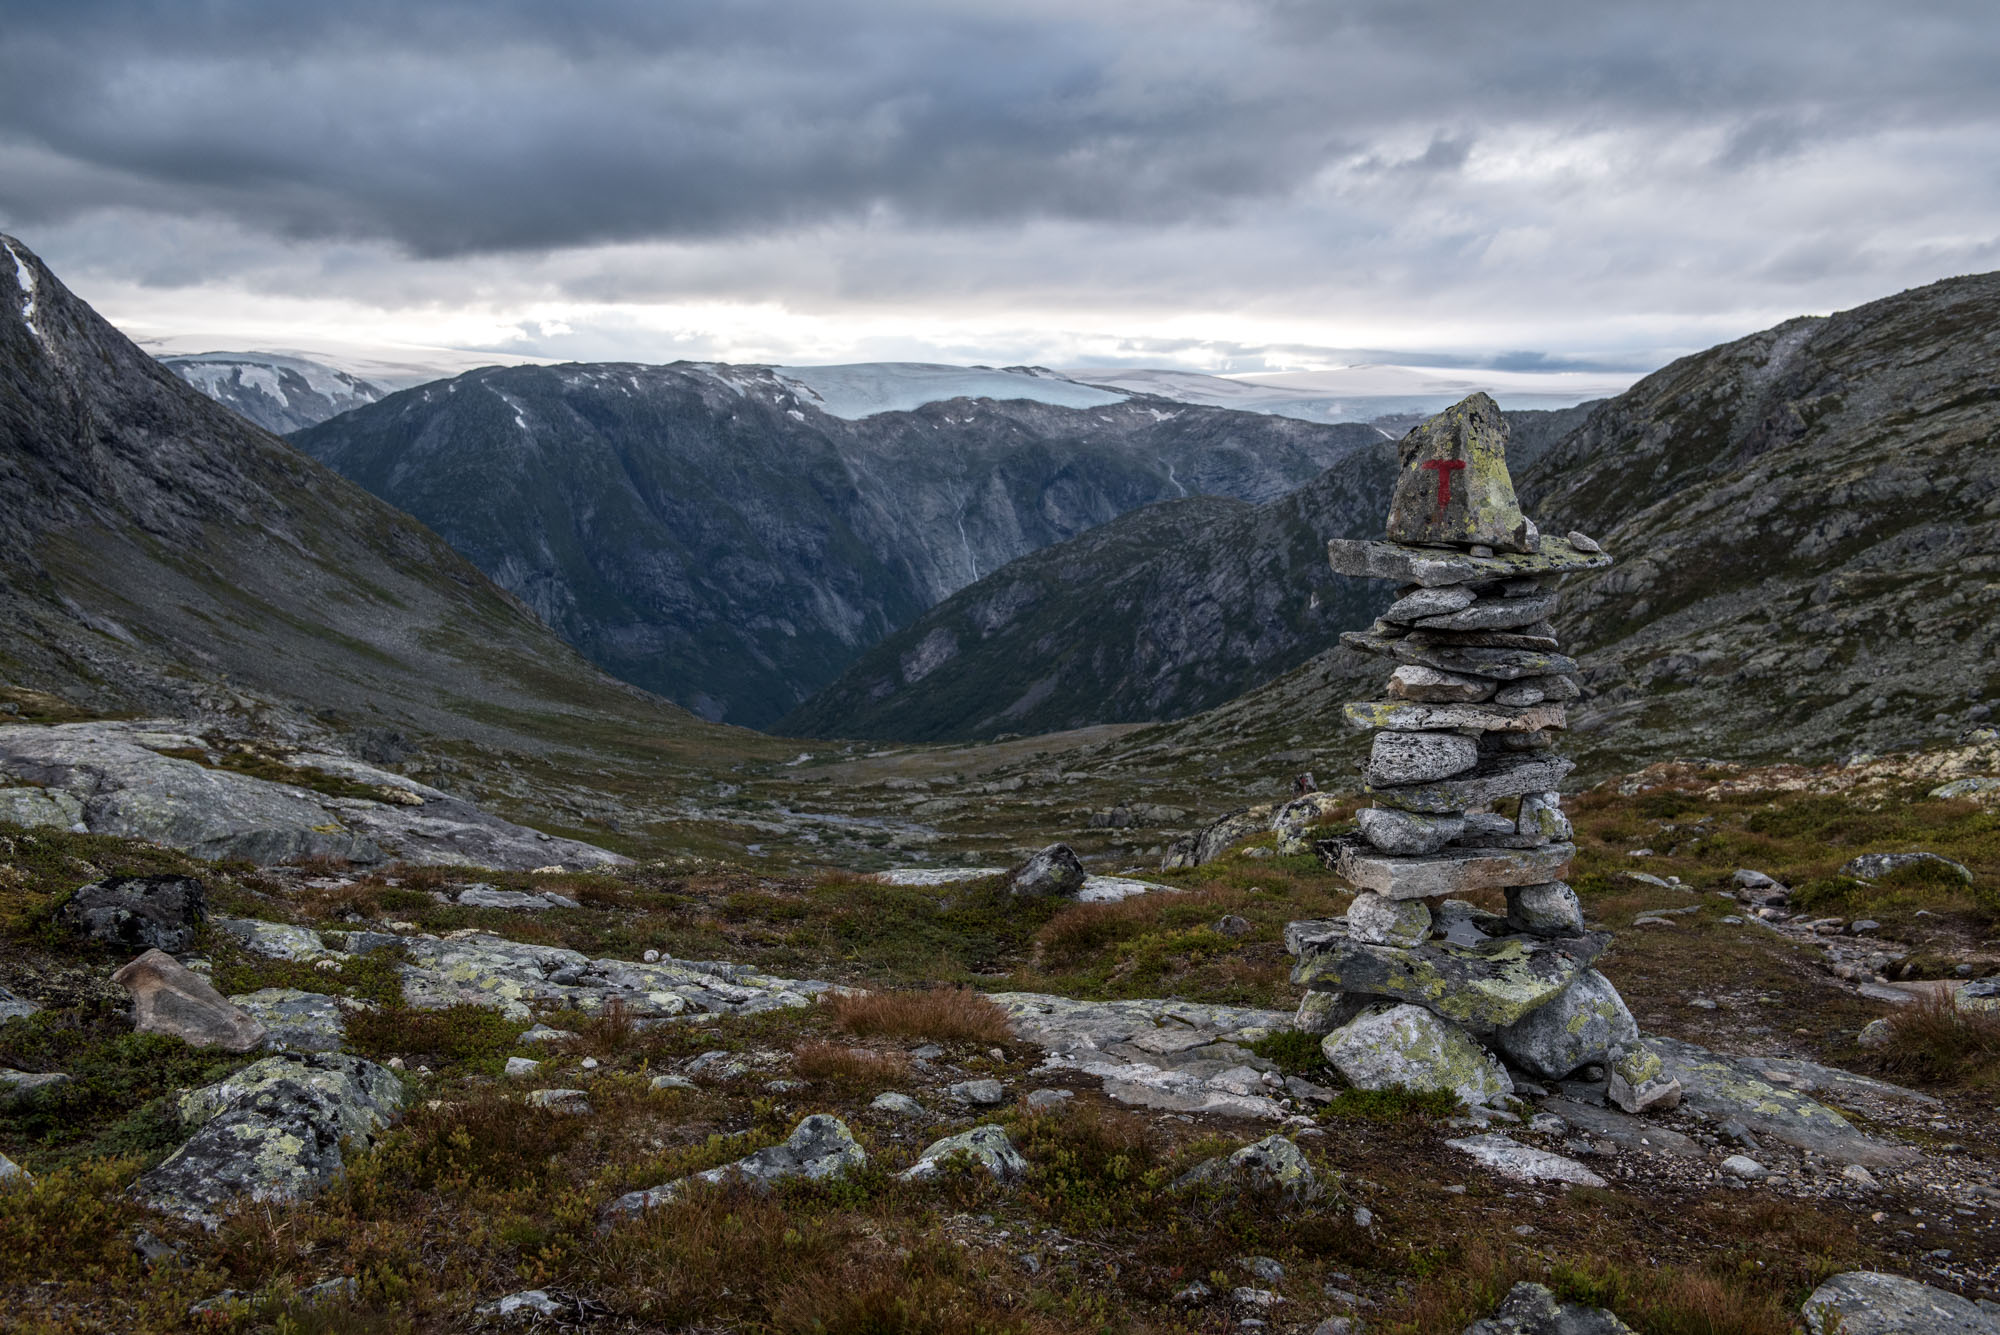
1586	1023
1495	780
1419	757
1482	986
1869	1302
1423	716
1451	871
1721	1087
1389	1047
1406	834
1494	614
1435	566
1473	661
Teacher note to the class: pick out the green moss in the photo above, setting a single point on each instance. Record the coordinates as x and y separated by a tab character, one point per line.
1295	1052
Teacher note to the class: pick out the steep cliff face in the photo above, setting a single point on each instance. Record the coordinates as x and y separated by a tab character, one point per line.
1808	527
160	553
1167	610
711	533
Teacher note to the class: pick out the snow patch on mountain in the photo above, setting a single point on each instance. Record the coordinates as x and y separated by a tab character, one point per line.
864	389
25	276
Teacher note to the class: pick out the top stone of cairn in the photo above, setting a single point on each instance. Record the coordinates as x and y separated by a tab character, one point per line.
1454	489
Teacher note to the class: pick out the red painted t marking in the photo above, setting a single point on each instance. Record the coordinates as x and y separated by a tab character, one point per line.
1444	468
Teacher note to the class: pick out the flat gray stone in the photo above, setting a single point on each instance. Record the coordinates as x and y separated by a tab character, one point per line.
979	1093
1405	833
1536	690
1415	606
1482	986
1872	866
1434	566
1495	780
23	1088
1499	664
11	1172
1413	681
1450	871
1623	1129
1420	716
1419	757
1868	1302
1524	1163
902	1105
1494	614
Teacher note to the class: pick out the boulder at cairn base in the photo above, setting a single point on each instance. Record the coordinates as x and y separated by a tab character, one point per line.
1408	1047
1454	487
168	998
1483	985
1585	1024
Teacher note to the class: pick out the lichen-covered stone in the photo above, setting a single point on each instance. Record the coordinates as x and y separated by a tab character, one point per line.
1387	922
1586	1023
1324	1012
1418	716
296	1021
1722	1088
1407	1047
168	998
820	1146
272	1131
275	940
1407	834
1053	871
1639	1082
1449	871
985	1146
1273	1163
1549	908
138	912
1531	1309
1418	757
1482	985
1295	820
1454	487
1541	817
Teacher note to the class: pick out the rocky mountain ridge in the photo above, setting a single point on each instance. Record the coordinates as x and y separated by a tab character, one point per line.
713	534
277	392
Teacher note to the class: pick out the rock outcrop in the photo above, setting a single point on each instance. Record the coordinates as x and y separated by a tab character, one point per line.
168	998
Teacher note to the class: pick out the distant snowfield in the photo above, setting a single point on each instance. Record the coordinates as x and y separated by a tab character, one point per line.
392	366
862	389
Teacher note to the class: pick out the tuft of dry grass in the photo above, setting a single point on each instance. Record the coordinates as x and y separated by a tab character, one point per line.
1936	1041
847	1068
940	1014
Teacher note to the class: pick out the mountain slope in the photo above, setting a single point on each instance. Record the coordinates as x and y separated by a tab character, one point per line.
160	553
1169	609
714	534
276	392
1808	527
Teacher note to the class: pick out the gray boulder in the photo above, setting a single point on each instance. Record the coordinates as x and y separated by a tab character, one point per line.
820	1146
13	1006
1549	908
1296	819
170	999
1640	1082
986	1146
1531	1309
1407	833
1583	1025
1273	1163
980	1093
1868	1302
1408	1047
138	912
1379	920
1419	757
1056	870
272	1131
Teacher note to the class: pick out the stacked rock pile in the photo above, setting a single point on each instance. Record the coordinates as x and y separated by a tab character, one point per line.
1465	791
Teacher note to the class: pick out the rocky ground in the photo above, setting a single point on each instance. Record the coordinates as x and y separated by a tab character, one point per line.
450	1097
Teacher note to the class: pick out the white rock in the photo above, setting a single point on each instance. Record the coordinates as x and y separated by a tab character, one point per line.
1522	1163
1745	1167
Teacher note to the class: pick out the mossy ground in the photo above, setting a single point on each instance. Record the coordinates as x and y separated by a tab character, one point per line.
474	1194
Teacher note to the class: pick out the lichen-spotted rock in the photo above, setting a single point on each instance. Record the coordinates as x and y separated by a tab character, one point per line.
272	1131
1582	1025
1408	1047
820	1146
1482	984
1868	1302
1273	1163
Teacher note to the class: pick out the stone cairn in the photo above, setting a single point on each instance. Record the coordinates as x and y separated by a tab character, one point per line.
1414	987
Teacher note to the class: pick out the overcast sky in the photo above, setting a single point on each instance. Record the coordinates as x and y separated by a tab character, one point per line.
1224	186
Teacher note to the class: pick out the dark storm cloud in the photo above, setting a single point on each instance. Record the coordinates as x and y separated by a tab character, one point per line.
456	128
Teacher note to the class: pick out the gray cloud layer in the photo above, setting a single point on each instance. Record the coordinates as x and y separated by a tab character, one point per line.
892	148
